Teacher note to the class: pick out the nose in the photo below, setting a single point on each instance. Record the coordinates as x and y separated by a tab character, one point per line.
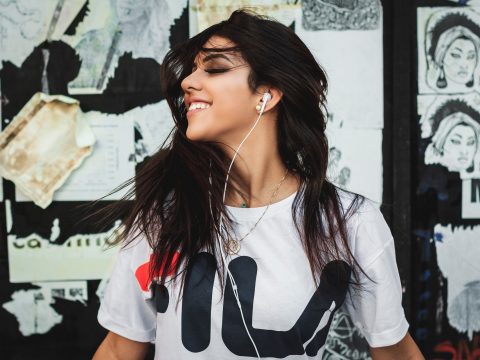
191	83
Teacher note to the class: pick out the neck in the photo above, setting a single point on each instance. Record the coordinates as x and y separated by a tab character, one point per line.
259	169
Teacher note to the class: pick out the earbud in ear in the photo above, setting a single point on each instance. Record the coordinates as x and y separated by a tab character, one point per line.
266	97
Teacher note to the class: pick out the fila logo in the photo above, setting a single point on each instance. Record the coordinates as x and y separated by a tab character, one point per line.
303	337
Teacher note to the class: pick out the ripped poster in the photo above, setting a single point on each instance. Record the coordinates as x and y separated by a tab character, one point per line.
204	13
113	28
450	138
349	47
458	251
47	140
448	50
26	24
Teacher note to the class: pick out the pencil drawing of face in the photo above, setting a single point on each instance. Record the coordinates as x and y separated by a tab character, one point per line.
460	146
460	61
454	143
454	43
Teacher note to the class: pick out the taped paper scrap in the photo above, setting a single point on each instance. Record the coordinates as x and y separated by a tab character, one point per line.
44	143
81	257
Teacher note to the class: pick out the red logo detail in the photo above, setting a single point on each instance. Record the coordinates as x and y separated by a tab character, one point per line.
143	271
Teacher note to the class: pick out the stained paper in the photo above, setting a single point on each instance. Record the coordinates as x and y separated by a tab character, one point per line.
81	257
45	142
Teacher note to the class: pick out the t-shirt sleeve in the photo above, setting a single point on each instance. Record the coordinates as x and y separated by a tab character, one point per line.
376	307
124	309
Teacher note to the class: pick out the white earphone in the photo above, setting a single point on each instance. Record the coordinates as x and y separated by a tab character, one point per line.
265	98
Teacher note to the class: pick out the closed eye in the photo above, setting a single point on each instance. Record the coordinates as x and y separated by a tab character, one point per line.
215	71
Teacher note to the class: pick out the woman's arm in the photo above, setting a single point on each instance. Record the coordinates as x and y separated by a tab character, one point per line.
406	349
116	347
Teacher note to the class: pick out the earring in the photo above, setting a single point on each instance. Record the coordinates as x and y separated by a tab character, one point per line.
441	81
258	107
469	83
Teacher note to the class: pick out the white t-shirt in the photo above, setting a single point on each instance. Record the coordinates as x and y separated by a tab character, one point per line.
287	316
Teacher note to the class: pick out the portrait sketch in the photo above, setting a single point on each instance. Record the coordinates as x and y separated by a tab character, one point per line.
454	130
449	45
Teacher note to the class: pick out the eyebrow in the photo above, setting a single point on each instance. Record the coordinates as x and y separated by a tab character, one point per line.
215	56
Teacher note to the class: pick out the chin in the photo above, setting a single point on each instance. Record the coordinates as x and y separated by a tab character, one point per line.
196	134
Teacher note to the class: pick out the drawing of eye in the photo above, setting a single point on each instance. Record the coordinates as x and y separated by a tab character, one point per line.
455	55
455	141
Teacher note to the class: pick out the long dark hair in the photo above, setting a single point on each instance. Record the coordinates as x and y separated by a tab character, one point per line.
171	207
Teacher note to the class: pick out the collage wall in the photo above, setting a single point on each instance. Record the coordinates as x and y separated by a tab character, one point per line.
446	222
81	110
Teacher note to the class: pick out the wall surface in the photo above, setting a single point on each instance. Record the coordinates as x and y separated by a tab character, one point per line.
106	58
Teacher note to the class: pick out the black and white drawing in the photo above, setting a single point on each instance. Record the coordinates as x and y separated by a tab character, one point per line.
450	132
451	42
340	175
116	27
455	132
345	341
458	251
341	14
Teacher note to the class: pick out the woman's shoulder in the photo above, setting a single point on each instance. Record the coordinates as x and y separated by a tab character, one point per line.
356	206
369	234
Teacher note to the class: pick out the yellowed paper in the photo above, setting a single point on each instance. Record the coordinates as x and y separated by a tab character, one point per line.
43	144
204	13
81	257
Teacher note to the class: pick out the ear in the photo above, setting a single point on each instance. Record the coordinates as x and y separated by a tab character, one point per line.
276	97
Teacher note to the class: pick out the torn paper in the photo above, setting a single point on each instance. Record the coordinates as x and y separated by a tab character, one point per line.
33	311
458	251
341	14
154	123
8	215
353	62
204	13
26	24
354	170
43	144
81	257
113	28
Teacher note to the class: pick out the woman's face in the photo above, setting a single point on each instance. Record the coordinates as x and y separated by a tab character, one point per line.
460	147
219	84
460	61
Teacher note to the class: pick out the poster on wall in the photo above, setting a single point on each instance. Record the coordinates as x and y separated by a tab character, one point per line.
450	126
448	50
204	13
33	258
26	24
347	169
113	28
350	50
458	252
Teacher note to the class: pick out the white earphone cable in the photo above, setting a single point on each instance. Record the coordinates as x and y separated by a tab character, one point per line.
266	97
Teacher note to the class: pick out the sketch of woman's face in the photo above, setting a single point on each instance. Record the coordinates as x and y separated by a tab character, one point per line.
460	61
459	148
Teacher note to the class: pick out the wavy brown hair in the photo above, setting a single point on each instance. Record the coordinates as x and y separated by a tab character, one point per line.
171	207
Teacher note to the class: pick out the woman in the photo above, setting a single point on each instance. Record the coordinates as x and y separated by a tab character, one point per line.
453	53
455	141
453	132
237	247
